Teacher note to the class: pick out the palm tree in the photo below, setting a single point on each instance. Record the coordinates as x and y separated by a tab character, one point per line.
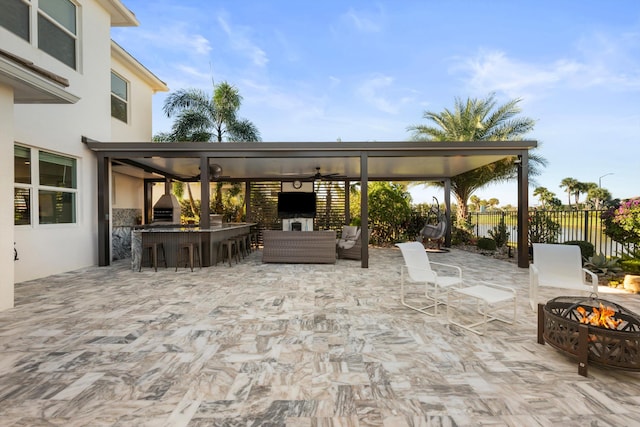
598	195
583	188
544	195
493	202
475	201
479	120
201	117
569	184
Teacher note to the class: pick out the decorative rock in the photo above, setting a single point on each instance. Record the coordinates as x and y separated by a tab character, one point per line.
632	283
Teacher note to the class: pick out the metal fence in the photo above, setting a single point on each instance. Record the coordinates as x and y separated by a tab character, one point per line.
585	225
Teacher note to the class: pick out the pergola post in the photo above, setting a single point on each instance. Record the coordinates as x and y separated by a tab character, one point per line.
523	209
364	209
205	220
104	220
148	201
347	203
205	197
447	208
247	200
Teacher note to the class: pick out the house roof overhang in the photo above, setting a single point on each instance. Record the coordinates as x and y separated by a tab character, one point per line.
282	161
118	52
32	84
121	16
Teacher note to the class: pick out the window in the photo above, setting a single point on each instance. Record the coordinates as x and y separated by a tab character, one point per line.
15	17
22	194
57	33
119	97
57	27
56	187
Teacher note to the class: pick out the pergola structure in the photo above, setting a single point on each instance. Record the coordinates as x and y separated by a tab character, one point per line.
285	161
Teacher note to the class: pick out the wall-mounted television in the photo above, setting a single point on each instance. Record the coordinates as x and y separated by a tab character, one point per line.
296	204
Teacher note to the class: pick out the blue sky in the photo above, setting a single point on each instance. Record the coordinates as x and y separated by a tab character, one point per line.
366	70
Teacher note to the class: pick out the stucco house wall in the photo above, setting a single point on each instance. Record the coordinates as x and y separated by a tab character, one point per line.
6	197
139	125
46	249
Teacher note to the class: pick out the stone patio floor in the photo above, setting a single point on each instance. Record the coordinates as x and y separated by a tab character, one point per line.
287	345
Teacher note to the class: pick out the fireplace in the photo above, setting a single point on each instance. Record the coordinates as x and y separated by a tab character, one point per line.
591	330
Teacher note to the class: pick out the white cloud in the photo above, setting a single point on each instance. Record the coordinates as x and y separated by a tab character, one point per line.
241	42
495	71
371	91
175	37
193	75
361	21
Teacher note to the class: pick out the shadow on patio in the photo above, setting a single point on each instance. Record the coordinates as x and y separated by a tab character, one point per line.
297	345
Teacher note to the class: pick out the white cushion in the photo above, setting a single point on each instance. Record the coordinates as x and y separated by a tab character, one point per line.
350	232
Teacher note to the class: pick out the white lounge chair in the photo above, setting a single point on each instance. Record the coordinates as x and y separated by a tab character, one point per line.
559	266
417	269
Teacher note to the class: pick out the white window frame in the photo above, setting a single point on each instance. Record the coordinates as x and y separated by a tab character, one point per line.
29	5
37	11
125	100
35	187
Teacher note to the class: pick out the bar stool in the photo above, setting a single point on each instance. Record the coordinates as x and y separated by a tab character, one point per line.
189	252
254	236
247	243
240	249
153	249
228	247
242	246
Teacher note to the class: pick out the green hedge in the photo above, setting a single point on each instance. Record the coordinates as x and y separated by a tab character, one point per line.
586	248
487	244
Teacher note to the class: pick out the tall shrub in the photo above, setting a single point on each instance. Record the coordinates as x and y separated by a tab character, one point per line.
500	234
542	229
389	211
622	222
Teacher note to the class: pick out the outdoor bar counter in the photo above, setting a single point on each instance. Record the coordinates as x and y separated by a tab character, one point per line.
207	240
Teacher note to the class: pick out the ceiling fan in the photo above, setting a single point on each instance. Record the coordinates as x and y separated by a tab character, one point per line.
215	174
327	176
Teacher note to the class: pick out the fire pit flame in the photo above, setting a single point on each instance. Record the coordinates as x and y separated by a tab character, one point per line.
603	317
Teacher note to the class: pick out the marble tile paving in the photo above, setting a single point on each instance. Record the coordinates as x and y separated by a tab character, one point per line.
286	345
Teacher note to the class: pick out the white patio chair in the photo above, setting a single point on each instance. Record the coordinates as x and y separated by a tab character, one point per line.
417	269
559	266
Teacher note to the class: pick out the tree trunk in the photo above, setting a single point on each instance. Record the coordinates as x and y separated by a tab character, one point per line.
192	203
219	207
463	211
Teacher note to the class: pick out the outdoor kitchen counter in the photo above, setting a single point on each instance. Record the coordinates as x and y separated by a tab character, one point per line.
208	240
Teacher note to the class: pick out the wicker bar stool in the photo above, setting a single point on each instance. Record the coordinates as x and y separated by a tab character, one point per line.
153	249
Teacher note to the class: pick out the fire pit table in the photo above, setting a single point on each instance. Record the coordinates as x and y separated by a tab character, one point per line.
591	330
